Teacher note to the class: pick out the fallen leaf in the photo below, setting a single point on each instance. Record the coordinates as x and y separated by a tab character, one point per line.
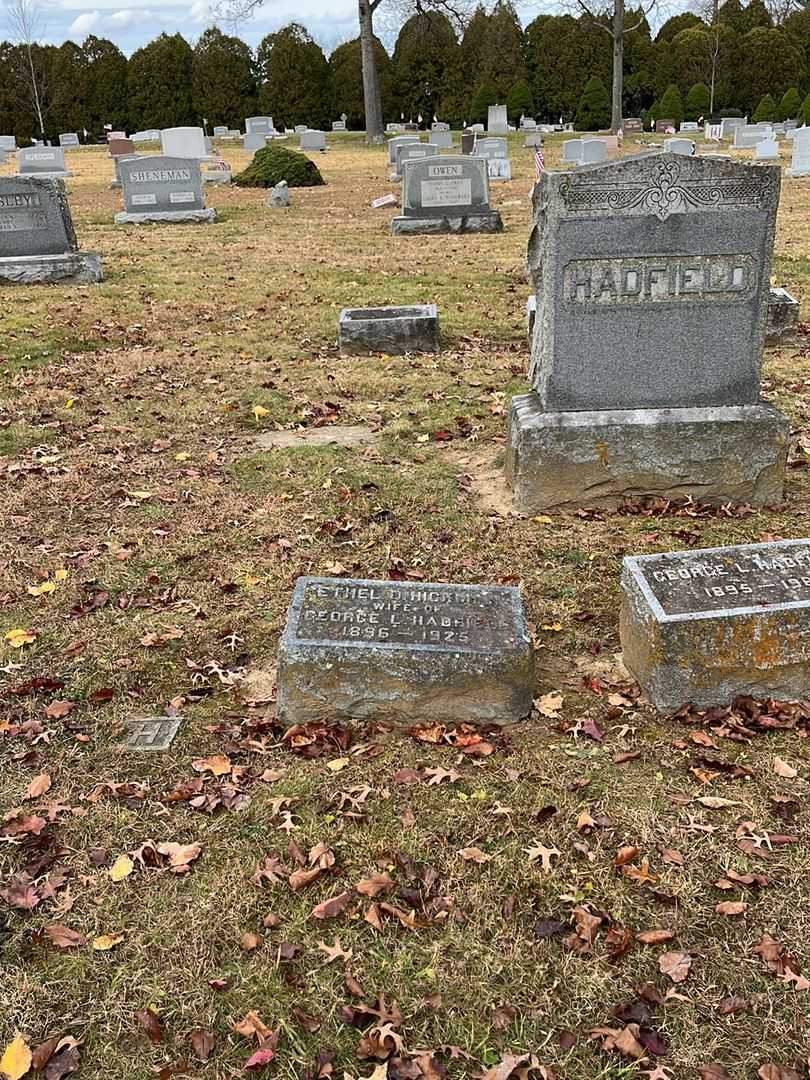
105	942
474	854
333	907
202	1043
121	868
150	1023
63	937
16	1059
781	768
38	786
675	964
549	705
655	937
731	907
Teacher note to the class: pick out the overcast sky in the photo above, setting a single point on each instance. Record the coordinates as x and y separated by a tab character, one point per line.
130	27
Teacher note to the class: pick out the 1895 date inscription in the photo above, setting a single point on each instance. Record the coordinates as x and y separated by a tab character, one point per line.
404	614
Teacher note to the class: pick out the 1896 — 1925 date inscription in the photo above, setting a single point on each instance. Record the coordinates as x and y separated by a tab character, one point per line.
393	614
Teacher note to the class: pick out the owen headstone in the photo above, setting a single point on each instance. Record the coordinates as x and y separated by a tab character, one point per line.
37	240
259	125
800	162
404	652
47	162
184	142
448	194
497	122
69	138
705	626
162	189
652	279
312	140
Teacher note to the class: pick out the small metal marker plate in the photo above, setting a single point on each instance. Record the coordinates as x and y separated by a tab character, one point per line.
150	733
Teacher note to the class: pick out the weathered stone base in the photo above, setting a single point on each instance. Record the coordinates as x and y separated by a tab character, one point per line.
391	330
712	658
46	175
171	216
217	176
560	461
69	268
470	223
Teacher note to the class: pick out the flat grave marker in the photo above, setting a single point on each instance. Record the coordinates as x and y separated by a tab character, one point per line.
153	733
704	626
390	330
361	648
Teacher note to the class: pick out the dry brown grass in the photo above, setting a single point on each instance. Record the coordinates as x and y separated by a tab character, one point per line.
146	384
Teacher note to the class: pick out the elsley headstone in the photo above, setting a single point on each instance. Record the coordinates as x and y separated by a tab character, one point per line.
37	239
184	142
47	162
447	194
390	330
705	626
162	189
401	651
652	280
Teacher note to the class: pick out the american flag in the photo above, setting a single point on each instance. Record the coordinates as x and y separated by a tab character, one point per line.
539	163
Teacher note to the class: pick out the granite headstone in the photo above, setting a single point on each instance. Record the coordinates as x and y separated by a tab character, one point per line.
446	194
162	189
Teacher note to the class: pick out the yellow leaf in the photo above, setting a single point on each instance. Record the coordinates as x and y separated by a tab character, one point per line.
259	411
121	868
549	705
338	763
182	456
17	638
252	582
141	495
543	519
423	438
556	627
105	942
40	590
69	403
60	575
16	1059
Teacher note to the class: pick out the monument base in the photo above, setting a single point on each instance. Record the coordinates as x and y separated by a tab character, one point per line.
217	176
561	461
469	223
45	175
70	268
159	216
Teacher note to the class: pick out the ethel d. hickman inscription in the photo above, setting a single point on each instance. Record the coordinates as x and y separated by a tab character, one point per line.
705	626
37	240
652	283
162	189
364	649
448	194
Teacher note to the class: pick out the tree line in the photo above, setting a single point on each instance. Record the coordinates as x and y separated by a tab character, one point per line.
744	61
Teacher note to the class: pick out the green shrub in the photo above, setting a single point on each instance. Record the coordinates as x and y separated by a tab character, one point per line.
697	102
790	104
593	111
274	164
765	111
485	95
804	113
670	107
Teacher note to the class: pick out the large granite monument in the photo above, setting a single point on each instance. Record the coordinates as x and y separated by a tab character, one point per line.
705	626
404	651
37	241
652	284
162	189
448	194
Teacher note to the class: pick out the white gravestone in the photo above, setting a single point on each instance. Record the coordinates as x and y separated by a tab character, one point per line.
679	146
312	140
184	142
47	162
497	123
593	151
800	165
572	151
767	150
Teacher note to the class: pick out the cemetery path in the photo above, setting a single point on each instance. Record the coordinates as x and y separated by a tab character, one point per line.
594	893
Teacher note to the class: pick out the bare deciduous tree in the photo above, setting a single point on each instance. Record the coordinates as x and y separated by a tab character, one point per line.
609	16
456	10
25	29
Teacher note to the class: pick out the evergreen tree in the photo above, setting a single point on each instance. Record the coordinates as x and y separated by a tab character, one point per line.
804	113
756	14
697	102
159	84
593	111
790	104
424	63
519	101
685	21
67	81
670	107
223	81
105	86
296	80
485	96
345	64
767	63
765	111
559	49
491	53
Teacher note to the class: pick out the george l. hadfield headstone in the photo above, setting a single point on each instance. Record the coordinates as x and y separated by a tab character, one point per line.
37	240
652	283
704	626
406	652
162	189
447	194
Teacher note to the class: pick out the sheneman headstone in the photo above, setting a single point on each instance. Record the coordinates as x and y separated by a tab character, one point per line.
404	651
162	189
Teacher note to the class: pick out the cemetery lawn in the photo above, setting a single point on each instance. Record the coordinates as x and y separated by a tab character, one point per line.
148	555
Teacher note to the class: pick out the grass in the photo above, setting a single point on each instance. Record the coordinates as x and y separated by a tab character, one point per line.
152	490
